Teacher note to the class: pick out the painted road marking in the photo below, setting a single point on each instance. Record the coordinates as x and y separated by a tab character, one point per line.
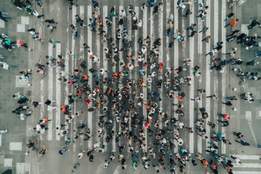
248	157
50	93
192	86
2	24
246	172
73	60
90	115
248	165
58	94
207	71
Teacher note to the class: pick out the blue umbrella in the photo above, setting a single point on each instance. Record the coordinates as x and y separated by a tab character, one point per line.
152	2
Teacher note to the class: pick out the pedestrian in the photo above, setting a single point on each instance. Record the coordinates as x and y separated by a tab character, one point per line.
48	102
4	16
233	22
40	16
212	96
227	103
229	15
206	39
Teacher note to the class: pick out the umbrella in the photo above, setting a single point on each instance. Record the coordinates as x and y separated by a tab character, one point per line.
63	108
180	98
7	41
85	77
19	43
214	166
205	162
226	117
220	135
91	109
147	124
8	171
233	22
180	142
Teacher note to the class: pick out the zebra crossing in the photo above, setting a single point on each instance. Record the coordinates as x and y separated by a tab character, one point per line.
54	90
249	164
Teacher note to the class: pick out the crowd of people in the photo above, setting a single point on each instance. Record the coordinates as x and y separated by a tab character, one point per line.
117	99
9	44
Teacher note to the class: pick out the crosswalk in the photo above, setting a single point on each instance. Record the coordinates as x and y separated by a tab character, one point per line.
249	164
155	26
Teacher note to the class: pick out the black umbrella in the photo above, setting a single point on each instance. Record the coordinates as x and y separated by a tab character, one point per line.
91	109
8	171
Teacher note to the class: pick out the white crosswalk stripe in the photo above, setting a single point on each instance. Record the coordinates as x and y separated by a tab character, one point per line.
90	115
223	31
105	65
248	165
200	52
208	72
81	55
114	70
98	49
223	37
248	157
161	35
82	7
145	30
58	94
176	51
176	57
120	67
192	86
73	63
50	93
42	106
215	21
66	62
246	172
168	15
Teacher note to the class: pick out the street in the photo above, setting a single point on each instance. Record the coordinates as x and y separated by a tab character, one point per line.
123	80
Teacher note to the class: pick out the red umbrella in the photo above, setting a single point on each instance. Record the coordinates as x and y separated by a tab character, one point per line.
226	117
85	77
180	98
204	162
147	124
78	92
45	120
98	90
87	101
19	43
161	66
63	108
70	82
214	166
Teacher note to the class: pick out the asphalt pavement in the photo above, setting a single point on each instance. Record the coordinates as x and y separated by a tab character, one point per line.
154	25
